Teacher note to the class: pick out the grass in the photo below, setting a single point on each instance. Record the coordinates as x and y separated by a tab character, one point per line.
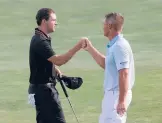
79	18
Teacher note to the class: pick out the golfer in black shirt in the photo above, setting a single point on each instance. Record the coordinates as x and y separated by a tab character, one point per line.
42	60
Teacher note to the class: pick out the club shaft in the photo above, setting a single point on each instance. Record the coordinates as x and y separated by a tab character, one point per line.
63	87
73	110
66	94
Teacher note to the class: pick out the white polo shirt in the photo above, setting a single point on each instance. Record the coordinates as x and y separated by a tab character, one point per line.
118	56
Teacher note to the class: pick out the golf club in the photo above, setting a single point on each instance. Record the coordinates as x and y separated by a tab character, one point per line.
67	96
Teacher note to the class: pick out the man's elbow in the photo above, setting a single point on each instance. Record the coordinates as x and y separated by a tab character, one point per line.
102	65
55	60
59	62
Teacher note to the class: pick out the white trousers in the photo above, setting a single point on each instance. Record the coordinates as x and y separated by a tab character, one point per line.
109	103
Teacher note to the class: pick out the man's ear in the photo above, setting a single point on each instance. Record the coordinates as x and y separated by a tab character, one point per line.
110	26
43	21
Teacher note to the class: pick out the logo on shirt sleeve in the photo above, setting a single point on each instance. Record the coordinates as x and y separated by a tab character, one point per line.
123	63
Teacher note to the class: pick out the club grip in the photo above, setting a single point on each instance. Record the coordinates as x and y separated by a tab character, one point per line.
63	87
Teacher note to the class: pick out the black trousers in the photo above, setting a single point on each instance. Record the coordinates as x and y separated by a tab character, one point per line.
48	105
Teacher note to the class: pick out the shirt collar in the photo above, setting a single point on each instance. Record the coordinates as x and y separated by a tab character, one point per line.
111	42
42	34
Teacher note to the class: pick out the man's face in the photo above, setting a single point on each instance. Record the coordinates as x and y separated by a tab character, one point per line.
51	23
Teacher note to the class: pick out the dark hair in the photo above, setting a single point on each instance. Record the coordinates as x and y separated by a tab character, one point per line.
43	13
116	19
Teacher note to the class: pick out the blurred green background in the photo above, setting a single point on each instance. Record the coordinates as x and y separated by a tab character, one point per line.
78	18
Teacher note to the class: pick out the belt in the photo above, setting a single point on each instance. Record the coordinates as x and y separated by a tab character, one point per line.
32	87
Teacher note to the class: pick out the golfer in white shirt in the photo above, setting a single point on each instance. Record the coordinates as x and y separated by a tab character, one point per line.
119	70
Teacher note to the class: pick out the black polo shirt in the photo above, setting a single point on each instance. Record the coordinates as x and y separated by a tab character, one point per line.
40	51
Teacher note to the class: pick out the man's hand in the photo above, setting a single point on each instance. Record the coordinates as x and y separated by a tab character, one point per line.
82	42
58	72
87	45
121	108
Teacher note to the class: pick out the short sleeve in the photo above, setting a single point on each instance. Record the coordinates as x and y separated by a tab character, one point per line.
121	57
44	49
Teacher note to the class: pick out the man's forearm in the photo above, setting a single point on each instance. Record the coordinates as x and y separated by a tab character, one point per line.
97	56
62	59
123	85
